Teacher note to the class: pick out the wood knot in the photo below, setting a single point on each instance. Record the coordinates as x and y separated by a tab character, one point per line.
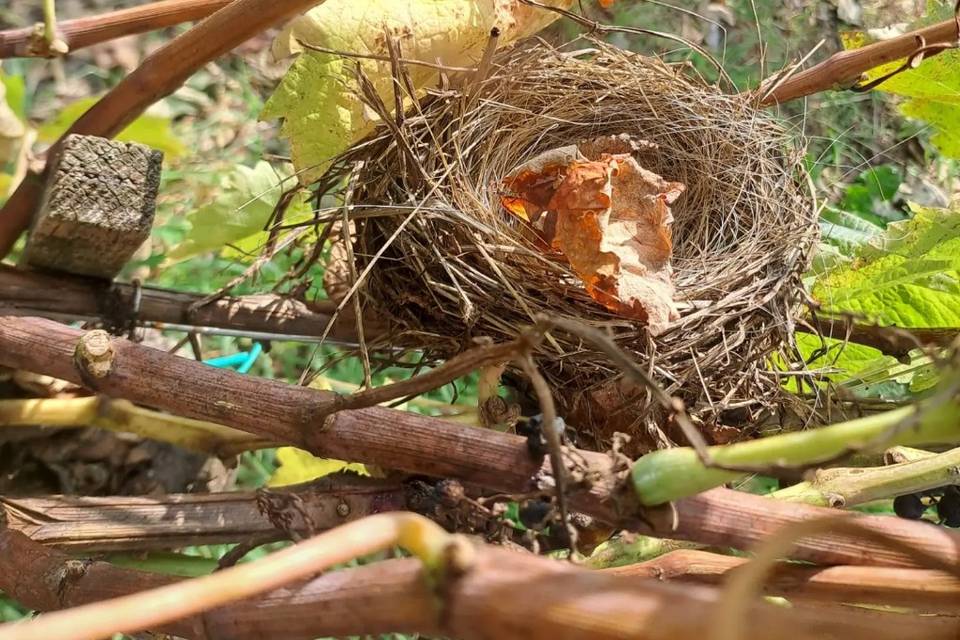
459	556
94	354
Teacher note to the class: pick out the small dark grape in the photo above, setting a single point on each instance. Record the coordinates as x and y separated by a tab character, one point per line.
909	506
534	512
948	508
531	429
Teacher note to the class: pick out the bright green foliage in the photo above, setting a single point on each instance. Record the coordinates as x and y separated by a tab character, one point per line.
846	230
150	130
932	91
864	211
870	191
241	212
865	371
12	128
319	98
840	360
909	277
859	370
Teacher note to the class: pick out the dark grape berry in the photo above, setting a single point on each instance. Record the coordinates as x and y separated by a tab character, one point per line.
531	428
909	506
533	513
948	508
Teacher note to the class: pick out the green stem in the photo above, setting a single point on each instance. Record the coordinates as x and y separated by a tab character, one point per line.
49	20
631	549
52	45
176	564
671	474
846	487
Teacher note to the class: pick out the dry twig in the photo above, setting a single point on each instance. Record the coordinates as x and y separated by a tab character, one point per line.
87	31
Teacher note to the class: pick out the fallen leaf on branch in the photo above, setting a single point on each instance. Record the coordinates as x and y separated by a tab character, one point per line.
297	465
609	217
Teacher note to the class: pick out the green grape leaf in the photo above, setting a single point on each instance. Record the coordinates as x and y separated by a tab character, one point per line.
846	230
908	277
240	213
861	370
318	98
153	131
864	211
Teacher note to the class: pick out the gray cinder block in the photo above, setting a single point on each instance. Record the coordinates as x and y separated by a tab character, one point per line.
97	206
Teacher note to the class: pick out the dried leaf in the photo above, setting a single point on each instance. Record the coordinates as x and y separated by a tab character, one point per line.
610	218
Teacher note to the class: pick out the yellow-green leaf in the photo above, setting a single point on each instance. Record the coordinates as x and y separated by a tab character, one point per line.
297	465
319	100
932	91
239	214
12	129
151	130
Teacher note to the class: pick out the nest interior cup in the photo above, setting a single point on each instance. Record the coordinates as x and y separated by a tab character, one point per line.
445	263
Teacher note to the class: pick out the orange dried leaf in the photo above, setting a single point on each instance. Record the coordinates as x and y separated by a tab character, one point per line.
614	227
611	219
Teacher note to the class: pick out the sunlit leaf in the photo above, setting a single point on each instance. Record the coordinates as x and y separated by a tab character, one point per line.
239	212
319	100
297	465
16	94
908	277
12	128
932	91
151	130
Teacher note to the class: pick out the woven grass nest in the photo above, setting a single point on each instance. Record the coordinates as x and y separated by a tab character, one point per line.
444	263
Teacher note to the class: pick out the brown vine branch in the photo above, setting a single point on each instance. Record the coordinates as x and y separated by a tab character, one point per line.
159	75
441	552
722	517
731	611
918	589
295	415
842	70
122	523
87	31
73	297
494	594
423	445
456	367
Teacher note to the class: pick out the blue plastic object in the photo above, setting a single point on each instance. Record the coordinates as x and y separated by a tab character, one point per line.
232	360
252	356
242	360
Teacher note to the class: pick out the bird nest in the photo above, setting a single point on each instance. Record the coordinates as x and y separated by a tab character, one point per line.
445	260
